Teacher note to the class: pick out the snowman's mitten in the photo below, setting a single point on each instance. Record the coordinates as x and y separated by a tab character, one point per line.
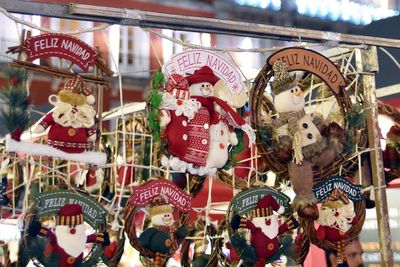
106	239
181	232
235	222
301	177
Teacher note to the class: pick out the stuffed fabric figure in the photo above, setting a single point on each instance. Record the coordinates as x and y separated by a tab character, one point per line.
265	230
69	239
72	120
300	139
163	237
391	154
198	126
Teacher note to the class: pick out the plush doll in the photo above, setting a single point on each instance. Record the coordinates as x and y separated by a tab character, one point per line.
91	179
265	231
69	240
336	217
197	134
162	238
302	140
72	120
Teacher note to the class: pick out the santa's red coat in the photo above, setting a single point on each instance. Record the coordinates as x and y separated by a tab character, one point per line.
67	139
332	234
265	246
66	260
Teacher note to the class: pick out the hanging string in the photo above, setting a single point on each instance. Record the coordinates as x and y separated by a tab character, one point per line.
34	26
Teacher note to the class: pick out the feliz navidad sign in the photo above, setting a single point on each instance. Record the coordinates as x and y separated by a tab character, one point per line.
187	62
49	203
298	58
323	189
62	46
246	201
144	194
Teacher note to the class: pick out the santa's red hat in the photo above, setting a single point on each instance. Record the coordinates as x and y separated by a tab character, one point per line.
266	207
75	92
204	74
178	86
70	214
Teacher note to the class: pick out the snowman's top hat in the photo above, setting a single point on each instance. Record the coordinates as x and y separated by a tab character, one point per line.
282	80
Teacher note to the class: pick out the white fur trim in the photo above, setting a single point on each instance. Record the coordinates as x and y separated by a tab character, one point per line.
179	165
96	158
188	108
250	133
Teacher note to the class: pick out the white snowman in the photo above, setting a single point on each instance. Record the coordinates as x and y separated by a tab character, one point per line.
223	118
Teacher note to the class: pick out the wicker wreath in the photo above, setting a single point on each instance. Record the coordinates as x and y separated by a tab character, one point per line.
261	105
130	229
114	261
311	233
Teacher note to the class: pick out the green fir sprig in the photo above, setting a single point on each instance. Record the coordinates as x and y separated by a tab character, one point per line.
154	100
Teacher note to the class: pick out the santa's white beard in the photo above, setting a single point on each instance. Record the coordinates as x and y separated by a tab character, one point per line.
341	222
79	117
270	230
73	244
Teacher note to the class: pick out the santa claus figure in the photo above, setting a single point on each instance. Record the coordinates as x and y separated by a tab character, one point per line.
164	235
301	139
265	230
336	217
69	240
91	179
72	120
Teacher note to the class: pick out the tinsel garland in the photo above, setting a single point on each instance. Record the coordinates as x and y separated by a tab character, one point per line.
154	100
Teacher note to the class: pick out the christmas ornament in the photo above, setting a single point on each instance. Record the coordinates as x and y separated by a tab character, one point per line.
197	126
258	210
71	126
342	214
160	200
304	147
91	179
67	243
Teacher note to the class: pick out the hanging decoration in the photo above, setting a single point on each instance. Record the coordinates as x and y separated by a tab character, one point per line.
258	210
65	246
304	142
342	215
166	207
197	116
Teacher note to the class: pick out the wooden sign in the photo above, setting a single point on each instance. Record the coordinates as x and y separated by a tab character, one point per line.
187	62
62	46
246	201
49	203
308	60
323	189
144	194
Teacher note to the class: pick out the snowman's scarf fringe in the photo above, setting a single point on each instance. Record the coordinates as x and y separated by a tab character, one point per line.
182	166
297	148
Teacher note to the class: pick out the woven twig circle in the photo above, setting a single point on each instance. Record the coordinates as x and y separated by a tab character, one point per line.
132	231
261	105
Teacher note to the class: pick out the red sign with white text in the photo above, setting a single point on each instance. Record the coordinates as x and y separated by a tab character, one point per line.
144	194
62	46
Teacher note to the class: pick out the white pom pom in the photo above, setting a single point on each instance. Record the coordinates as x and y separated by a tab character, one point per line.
90	99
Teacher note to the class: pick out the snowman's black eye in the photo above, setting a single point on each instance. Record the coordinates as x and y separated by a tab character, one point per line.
203	85
292	90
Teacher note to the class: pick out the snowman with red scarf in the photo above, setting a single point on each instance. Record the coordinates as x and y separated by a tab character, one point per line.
208	133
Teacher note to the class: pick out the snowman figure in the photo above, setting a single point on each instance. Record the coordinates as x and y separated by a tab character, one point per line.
301	137
164	235
223	118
